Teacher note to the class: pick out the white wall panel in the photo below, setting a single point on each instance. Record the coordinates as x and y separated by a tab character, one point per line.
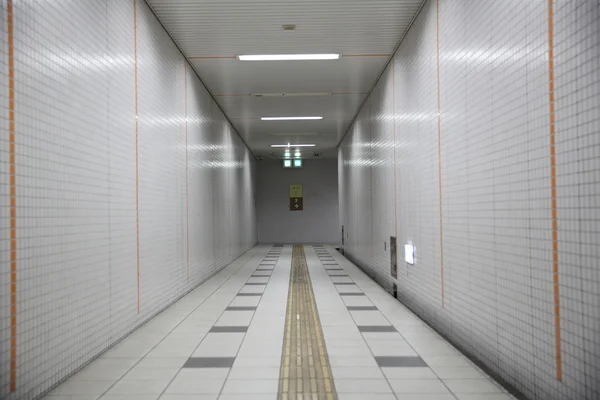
77	232
493	234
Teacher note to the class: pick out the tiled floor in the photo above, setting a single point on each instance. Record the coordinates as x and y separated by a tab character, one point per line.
224	341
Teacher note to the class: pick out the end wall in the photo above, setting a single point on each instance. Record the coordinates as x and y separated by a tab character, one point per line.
318	222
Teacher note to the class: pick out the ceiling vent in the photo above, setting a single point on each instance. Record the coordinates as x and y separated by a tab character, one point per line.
297	94
288	27
316	154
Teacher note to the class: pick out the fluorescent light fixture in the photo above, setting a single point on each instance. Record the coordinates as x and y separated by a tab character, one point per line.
293	94
293	145
288	118
297	163
297	154
409	253
287	163
287	57
294	134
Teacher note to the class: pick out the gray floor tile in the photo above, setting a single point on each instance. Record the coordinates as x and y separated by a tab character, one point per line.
344	283
374	328
249	294
353	294
359	308
240	308
209	362
400	362
254	283
216	329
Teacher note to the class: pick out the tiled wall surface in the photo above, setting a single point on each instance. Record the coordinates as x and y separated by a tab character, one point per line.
93	200
453	154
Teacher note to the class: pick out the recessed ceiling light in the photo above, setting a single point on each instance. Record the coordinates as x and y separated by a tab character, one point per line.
287	57
293	145
288	118
297	154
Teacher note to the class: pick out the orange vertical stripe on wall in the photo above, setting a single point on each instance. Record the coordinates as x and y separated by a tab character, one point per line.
187	210
439	121
13	198
555	277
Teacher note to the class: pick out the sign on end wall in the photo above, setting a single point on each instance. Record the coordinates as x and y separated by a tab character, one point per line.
296	203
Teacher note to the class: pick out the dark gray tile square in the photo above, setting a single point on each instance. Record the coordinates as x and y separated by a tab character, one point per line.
334	269
400	362
376	328
209	362
361	308
264	269
254	283
222	329
241	308
335	273
249	294
352	294
344	283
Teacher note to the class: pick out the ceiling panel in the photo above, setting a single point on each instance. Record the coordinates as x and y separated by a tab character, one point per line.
231	76
230	27
212	33
334	106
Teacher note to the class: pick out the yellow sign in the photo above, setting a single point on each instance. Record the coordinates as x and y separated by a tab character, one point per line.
295	190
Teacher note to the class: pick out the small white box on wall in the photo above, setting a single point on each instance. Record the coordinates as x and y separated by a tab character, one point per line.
409	253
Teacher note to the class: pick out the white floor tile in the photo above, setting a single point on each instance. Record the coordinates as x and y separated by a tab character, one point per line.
142	373
147	386
472	386
408	373
239	386
417	386
186	385
254	373
362	386
81	387
363	396
349	361
357	373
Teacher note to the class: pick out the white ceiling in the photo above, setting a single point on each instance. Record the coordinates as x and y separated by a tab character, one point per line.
212	33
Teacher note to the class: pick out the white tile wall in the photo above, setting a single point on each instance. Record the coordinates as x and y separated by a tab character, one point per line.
494	155
76	183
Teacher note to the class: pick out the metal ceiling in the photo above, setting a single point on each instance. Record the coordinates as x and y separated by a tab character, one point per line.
212	33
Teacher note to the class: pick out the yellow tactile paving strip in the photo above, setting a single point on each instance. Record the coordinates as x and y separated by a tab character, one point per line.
305	370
